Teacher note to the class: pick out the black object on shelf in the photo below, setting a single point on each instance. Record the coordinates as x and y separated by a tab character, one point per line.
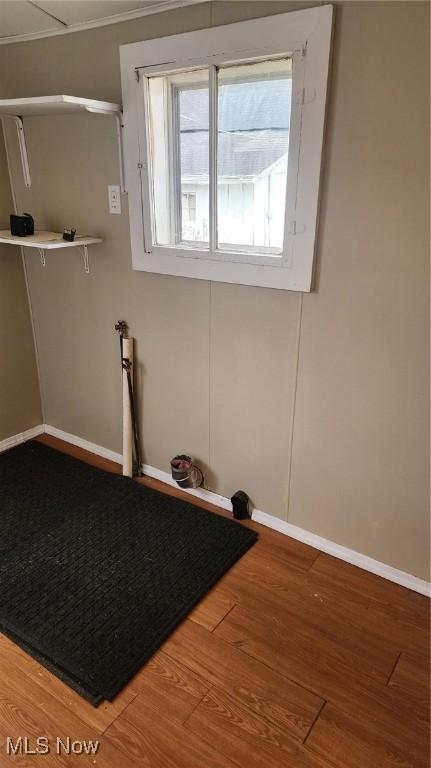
240	505
21	226
69	235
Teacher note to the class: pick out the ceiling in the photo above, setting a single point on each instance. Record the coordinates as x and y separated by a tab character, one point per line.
25	19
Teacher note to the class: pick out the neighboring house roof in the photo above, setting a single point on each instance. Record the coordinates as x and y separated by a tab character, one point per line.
239	155
253	125
242	106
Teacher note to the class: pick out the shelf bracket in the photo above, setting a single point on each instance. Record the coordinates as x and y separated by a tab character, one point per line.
42	256
119	121
84	252
22	146
85	257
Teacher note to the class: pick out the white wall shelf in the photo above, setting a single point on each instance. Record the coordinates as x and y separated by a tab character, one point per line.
46	241
37	106
55	105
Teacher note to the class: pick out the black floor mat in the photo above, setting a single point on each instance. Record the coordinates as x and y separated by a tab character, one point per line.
97	570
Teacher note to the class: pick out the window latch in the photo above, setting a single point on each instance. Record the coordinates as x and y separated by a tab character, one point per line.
295	228
306	95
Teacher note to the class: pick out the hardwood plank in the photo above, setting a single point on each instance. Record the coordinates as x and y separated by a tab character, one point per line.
259	569
282	702
21	665
410	636
411	677
147	739
405	603
335	639
304	607
171	688
344	740
27	710
25	761
37	698
335	681
284	552
16	722
107	756
329	603
248	740
212	609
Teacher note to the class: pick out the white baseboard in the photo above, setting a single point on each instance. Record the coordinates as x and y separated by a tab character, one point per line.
344	553
318	542
199	493
157	474
84	444
21	437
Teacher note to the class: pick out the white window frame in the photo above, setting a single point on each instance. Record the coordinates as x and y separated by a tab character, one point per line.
306	36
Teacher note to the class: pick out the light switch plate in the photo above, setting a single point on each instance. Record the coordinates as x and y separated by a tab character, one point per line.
114	196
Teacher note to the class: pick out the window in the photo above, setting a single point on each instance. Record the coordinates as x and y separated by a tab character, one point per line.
188	210
223	150
253	120
178	132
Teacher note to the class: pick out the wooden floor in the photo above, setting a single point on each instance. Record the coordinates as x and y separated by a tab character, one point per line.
294	660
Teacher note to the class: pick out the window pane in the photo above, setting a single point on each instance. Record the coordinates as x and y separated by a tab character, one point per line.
179	119
254	102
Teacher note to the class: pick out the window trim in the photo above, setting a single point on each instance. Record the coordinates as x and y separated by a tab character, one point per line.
306	36
213	252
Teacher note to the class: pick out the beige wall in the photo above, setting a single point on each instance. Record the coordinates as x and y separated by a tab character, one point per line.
20	406
316	405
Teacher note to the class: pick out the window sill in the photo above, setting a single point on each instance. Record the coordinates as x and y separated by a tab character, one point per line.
199	265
